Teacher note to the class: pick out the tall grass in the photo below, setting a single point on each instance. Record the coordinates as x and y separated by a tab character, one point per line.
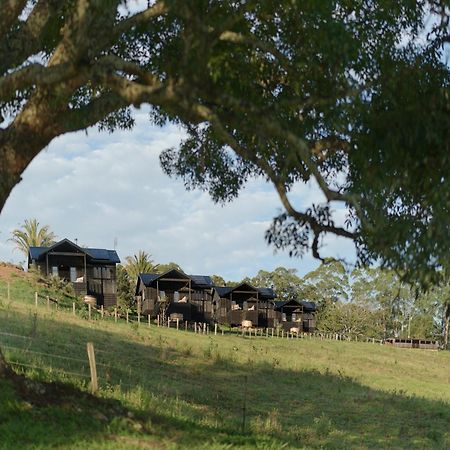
180	390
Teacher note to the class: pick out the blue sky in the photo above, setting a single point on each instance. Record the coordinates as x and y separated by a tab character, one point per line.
98	187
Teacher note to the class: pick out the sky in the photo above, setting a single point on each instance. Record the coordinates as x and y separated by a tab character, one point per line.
105	189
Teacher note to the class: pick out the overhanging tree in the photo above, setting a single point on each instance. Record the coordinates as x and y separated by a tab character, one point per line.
350	94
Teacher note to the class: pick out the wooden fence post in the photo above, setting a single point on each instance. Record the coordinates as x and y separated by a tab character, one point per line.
115	314
36	299
204	328
90	310
92	366
185	325
215	329
48	302
73	308
195	327
148	317
127	315
102	311
178	323
157	320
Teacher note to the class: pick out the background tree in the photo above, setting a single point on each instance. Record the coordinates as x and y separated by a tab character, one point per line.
141	262
162	268
350	94
30	234
326	285
125	289
284	281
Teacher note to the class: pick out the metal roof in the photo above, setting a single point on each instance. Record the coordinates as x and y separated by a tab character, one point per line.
96	254
201	281
307	306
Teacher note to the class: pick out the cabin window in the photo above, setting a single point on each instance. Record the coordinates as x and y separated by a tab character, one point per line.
176	296
97	272
55	271
73	274
245	306
107	273
283	317
294	317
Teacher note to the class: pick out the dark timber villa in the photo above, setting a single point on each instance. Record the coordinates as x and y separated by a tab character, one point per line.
92	271
175	295
245	302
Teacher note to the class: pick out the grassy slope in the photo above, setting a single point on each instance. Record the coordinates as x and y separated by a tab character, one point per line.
181	390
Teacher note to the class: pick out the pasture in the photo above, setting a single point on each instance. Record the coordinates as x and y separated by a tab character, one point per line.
163	388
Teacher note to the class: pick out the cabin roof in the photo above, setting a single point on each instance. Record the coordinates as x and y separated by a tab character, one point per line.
100	255
307	306
264	293
201	281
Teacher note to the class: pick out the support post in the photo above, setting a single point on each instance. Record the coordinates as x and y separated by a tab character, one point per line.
73	308
36	299
215	329
102	311
178	323
92	366
115	314
90	310
148	317
157	320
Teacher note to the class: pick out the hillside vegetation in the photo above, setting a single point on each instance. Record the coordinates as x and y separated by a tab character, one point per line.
162	388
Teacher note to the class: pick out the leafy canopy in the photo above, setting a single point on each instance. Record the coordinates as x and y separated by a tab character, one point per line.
350	94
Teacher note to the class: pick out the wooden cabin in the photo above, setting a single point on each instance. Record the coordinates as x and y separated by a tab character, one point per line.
175	294
296	314
235	304
92	271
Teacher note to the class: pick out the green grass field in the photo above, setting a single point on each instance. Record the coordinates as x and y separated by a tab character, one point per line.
162	388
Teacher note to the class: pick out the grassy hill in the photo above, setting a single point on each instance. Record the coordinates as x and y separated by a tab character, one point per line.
162	388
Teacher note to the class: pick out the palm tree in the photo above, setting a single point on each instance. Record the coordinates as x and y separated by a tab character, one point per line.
139	263
31	235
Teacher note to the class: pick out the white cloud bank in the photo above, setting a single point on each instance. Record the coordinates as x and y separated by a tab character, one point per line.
98	187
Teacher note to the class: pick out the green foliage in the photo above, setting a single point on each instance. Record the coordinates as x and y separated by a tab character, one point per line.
284	281
163	268
141	262
30	234
125	289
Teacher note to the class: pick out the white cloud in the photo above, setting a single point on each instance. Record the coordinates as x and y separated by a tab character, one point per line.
97	187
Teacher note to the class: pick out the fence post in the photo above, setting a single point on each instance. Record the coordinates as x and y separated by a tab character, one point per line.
168	323
48	302
244	405
185	325
92	366
35	299
178	323
215	329
115	314
204	328
102	311
73	308
139	317
89	308
158	320
195	327
127	315
148	318
222	332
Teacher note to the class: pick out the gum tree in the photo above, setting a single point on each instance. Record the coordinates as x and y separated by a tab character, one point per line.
350	94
